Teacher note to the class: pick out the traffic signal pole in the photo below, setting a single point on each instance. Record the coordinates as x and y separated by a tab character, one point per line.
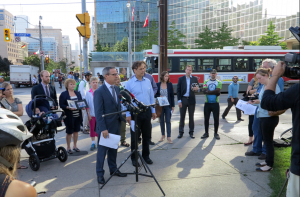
80	60
41	47
85	40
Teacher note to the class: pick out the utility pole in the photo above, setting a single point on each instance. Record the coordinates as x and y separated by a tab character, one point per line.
163	36
41	45
85	40
129	39
80	60
133	34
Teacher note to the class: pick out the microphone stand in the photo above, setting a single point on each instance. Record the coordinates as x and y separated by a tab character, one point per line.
135	111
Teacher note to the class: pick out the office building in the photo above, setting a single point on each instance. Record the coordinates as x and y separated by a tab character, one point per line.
75	57
23	51
66	49
92	38
248	18
49	32
21	23
49	47
112	20
8	50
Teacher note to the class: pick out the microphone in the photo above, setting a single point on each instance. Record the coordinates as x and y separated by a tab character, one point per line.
126	100
126	96
137	102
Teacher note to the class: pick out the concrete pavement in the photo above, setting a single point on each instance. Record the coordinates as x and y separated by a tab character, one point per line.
189	167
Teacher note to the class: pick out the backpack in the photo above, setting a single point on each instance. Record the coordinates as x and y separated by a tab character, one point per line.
77	85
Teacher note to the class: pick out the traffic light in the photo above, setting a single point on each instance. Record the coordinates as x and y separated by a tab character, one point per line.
84	29
7	35
47	60
81	58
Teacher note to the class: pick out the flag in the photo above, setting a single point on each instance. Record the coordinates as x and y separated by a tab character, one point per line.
146	21
38	52
132	14
22	47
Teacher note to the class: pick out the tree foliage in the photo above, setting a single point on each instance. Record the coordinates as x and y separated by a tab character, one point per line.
32	60
271	38
118	47
214	40
150	38
174	37
4	65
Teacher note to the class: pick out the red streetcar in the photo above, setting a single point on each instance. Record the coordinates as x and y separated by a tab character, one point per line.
229	62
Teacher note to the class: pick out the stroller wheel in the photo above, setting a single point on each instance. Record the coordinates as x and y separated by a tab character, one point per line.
34	162
62	154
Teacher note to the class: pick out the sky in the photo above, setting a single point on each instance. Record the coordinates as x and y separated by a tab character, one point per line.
58	14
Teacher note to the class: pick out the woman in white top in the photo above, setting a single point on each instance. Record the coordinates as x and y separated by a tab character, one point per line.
267	123
34	80
90	110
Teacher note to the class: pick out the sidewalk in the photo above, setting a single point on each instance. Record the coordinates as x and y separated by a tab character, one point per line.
189	167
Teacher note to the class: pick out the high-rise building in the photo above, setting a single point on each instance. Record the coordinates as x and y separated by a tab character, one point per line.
76	47
21	23
75	57
92	38
23	51
248	18
49	47
112	20
8	50
67	54
49	32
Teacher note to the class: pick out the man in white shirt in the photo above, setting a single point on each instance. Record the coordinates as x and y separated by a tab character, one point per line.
83	88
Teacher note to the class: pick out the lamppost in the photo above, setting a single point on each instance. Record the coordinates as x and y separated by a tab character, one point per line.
129	39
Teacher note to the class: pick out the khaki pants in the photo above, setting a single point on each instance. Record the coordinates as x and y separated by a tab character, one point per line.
293	186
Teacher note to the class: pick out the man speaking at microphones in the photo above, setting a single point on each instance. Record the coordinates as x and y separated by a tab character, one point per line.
141	88
106	101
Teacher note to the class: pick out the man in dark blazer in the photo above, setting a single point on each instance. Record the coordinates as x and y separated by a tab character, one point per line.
45	88
186	88
106	101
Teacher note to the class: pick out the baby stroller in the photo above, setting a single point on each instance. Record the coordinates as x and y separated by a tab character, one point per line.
41	146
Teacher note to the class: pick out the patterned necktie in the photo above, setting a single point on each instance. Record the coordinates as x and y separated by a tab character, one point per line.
47	91
113	93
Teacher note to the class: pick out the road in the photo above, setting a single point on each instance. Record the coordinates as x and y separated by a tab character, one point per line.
189	167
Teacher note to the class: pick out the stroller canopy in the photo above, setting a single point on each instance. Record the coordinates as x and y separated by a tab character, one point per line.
41	103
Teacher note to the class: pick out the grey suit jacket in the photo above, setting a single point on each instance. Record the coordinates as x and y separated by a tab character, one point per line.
104	104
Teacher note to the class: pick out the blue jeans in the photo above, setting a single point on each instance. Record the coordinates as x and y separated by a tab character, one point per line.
165	114
258	139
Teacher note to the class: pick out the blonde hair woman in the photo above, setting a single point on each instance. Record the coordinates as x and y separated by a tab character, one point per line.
267	123
73	119
91	111
16	103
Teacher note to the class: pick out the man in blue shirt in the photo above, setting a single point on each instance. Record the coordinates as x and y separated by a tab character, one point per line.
233	91
141	88
271	63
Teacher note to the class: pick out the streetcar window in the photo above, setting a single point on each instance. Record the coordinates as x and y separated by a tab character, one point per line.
149	66
205	64
257	62
185	62
155	65
241	64
223	65
169	66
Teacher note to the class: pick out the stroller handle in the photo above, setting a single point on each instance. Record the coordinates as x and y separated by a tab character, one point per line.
52	111
37	96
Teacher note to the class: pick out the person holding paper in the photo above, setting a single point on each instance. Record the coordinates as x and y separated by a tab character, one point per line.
142	89
165	89
233	91
106	101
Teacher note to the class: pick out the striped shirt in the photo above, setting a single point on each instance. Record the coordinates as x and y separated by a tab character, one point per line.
75	112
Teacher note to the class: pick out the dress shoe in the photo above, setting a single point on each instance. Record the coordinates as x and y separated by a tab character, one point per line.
205	135
180	135
151	143
192	136
148	161
118	173
240	119
262	156
217	136
251	153
134	163
101	180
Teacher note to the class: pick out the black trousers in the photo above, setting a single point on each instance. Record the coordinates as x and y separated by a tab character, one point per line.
251	118
267	127
191	108
215	109
230	104
144	126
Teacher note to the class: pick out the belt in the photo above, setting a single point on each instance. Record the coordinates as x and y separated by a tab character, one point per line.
186	97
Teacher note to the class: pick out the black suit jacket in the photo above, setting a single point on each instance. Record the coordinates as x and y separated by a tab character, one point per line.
182	87
104	104
39	90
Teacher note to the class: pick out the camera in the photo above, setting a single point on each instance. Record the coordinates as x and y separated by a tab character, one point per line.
254	97
293	58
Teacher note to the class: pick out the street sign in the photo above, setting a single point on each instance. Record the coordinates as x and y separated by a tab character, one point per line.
17	39
42	53
22	35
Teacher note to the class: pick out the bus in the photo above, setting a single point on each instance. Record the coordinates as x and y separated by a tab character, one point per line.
229	62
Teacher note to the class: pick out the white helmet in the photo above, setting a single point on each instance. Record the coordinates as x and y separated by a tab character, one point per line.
12	130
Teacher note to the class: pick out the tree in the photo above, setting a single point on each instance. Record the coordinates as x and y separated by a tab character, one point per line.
32	60
124	45
4	65
174	37
206	39
100	48
223	37
151	37
272	38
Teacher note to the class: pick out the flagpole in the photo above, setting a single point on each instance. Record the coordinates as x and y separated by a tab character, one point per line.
133	33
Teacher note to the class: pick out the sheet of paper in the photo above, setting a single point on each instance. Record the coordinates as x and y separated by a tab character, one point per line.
111	142
246	107
132	125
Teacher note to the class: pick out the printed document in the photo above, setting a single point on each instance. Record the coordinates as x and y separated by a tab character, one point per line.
246	107
111	142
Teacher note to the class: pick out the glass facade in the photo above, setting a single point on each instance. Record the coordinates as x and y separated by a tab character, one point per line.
248	18
49	46
112	19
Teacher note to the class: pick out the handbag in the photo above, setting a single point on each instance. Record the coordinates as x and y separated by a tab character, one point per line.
276	113
158	110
